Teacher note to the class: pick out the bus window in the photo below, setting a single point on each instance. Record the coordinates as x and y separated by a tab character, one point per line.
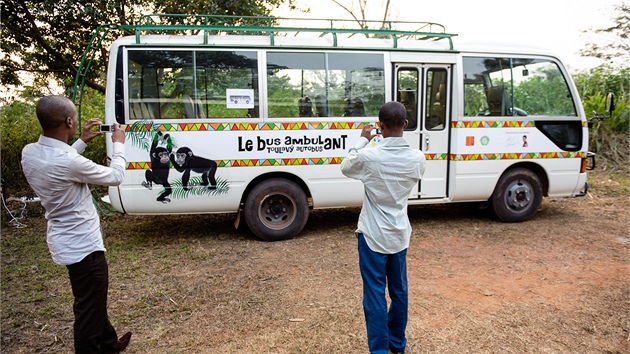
192	84
227	82
436	99
540	89
324	84
565	134
515	87
407	92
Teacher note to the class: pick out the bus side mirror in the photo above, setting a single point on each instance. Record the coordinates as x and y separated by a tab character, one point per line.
610	103
610	107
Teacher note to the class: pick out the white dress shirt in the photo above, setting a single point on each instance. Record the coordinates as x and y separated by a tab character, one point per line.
389	171
59	176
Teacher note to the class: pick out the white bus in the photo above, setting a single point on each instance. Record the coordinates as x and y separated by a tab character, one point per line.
255	120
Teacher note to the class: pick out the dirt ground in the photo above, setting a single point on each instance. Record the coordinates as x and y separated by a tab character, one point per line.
192	284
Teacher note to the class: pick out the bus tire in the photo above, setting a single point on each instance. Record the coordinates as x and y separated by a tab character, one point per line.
276	209
517	196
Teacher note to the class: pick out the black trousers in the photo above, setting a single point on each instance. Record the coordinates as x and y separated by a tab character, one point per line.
93	333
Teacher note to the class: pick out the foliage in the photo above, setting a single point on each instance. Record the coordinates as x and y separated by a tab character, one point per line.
593	86
48	38
19	126
364	8
618	49
608	136
197	189
544	95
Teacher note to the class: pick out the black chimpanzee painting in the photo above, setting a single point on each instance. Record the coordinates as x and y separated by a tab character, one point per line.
160	166
184	160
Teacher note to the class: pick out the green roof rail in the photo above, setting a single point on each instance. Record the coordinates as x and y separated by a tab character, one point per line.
271	26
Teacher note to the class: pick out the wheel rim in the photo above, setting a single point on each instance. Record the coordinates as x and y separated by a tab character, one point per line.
277	211
519	195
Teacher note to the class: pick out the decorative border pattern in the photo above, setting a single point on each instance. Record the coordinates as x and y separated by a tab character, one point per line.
202	127
191	127
256	162
518	156
499	124
493	124
338	160
277	162
436	157
281	162
184	127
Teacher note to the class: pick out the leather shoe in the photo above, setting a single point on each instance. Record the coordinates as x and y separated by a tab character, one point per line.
123	342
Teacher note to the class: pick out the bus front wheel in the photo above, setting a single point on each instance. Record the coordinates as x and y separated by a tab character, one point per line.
276	209
517	196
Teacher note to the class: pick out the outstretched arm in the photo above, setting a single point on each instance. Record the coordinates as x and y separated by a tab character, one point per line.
352	164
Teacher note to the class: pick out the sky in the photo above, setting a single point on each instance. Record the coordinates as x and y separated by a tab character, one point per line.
557	25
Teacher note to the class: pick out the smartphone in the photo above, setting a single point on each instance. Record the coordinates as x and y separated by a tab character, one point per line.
376	131
105	128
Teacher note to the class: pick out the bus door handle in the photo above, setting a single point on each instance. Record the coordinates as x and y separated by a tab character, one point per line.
426	142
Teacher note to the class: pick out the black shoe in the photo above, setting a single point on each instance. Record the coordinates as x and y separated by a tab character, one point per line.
123	342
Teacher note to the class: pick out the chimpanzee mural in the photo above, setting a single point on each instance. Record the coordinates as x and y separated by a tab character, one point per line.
184	161
164	154
160	166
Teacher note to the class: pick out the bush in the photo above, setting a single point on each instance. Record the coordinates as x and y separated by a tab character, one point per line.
19	127
608	137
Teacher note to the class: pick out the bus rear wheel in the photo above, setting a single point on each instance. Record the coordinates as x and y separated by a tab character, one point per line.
276	209
517	196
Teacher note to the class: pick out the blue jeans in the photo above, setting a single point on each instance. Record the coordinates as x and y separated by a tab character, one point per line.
385	329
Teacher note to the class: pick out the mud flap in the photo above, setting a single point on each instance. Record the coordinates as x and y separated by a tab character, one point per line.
237	220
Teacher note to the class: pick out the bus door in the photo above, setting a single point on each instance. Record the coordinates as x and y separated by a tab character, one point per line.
424	90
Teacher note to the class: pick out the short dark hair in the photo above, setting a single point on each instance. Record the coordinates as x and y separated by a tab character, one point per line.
393	114
52	111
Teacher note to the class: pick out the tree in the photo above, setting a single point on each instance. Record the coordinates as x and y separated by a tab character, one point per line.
46	39
609	137
361	18
618	49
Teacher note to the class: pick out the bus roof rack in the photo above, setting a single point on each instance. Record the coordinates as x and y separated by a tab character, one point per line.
275	26
257	25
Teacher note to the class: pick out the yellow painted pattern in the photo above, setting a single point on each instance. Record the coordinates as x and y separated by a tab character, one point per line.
195	127
498	124
493	124
518	156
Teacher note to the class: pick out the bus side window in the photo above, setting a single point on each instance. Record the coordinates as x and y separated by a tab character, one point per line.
176	84
516	86
407	92
353	84
567	135
436	98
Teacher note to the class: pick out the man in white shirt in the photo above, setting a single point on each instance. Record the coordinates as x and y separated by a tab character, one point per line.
389	172
59	176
